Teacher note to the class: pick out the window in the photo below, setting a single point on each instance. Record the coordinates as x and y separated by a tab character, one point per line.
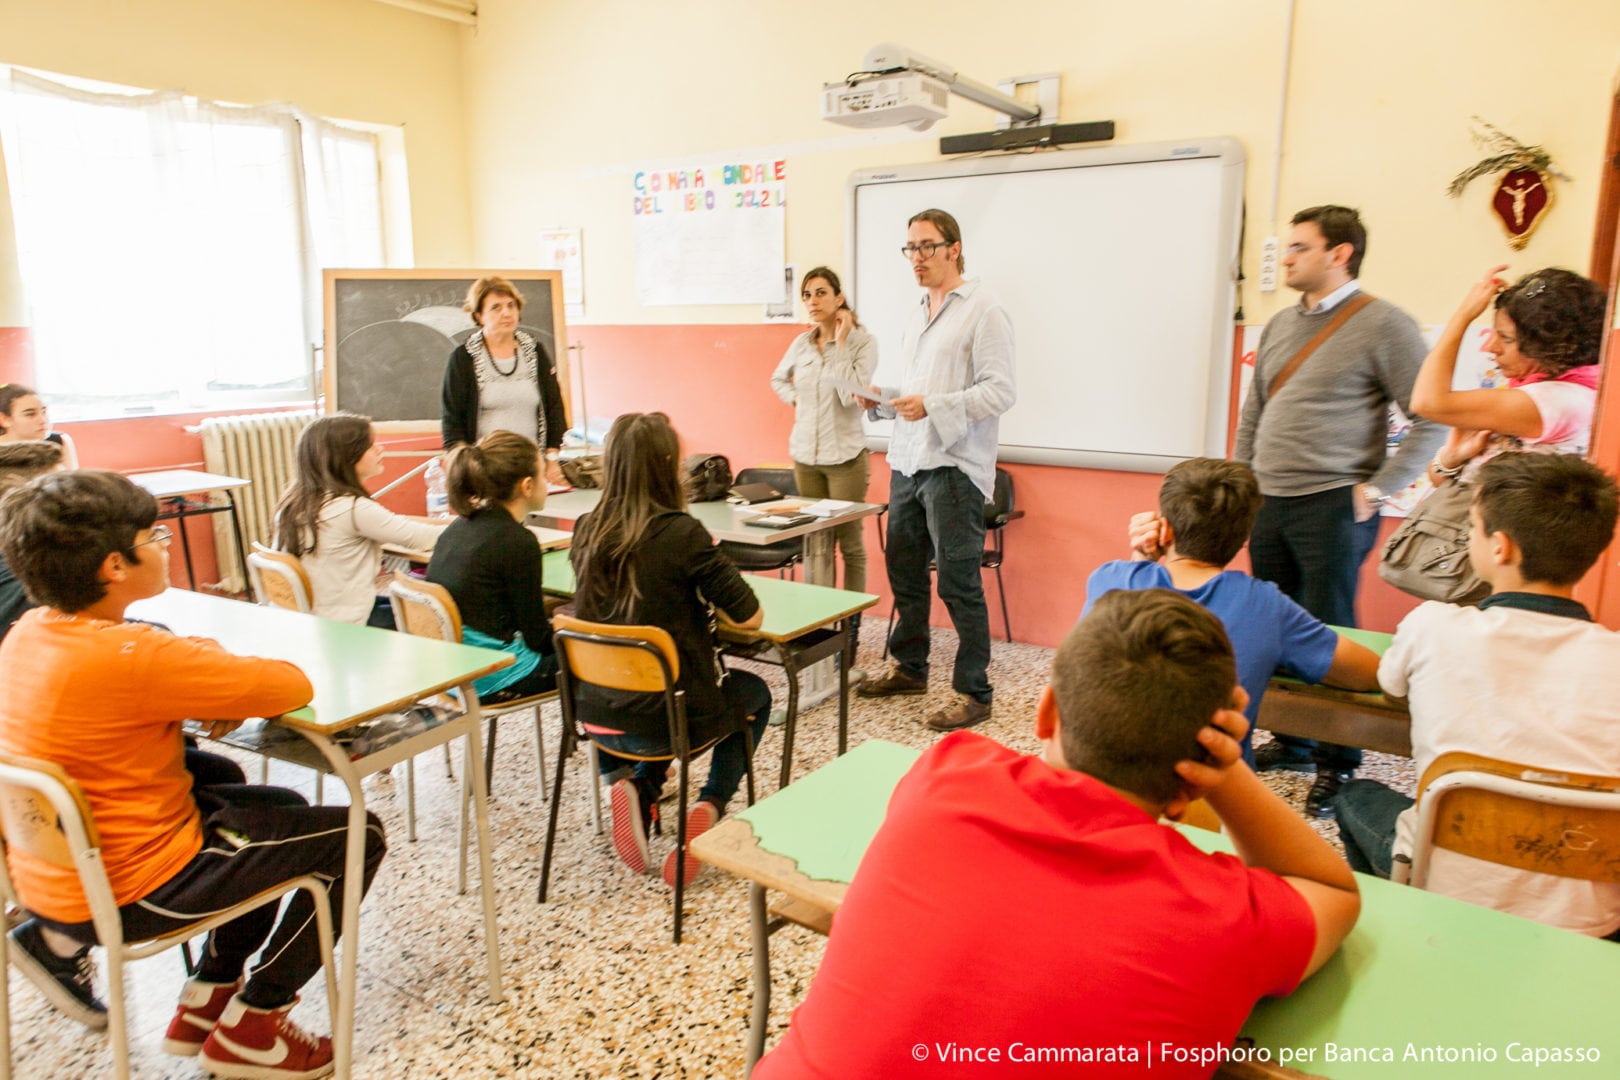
171	248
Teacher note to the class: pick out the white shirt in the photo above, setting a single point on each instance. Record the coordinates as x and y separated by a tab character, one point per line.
961	362
1538	689
826	421
348	554
1332	299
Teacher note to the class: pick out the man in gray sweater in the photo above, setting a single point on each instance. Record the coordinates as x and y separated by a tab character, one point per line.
1318	447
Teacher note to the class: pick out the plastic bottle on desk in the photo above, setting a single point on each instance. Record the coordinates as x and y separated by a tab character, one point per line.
438	494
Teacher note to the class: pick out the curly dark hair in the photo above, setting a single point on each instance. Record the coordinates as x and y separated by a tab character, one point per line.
1559	318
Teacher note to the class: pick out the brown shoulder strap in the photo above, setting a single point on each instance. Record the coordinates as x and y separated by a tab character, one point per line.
1342	316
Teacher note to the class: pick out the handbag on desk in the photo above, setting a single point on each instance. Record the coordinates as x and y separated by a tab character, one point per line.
1427	556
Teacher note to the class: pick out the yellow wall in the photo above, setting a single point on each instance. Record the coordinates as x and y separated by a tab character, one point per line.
565	97
350	59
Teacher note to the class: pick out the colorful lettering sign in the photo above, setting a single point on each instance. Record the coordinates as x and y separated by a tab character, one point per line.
712	233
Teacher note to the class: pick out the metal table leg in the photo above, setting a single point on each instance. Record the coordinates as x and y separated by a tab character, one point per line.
759	927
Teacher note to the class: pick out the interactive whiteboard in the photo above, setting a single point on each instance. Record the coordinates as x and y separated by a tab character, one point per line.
1118	266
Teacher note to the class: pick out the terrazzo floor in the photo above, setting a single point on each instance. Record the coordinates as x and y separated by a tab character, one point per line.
594	986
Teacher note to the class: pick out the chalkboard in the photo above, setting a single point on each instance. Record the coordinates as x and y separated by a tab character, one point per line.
1118	267
389	334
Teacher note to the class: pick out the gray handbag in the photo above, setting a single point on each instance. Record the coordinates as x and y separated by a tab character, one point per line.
1428	555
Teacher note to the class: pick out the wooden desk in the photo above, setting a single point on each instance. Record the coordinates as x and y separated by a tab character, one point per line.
726	521
1367	719
358	673
1418	969
804	625
175	484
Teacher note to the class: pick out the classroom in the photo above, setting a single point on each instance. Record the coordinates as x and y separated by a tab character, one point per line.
501	119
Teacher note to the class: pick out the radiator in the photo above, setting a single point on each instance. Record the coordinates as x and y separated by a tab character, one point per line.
257	447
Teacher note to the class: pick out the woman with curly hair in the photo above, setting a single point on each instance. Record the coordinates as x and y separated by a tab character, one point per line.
1547	333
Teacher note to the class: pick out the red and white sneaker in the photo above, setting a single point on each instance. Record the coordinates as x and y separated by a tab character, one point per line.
630	820
201	1004
699	820
264	1044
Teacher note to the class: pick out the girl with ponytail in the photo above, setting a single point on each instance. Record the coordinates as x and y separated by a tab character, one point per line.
490	563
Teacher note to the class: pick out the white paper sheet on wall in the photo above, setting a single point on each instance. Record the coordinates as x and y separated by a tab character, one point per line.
710	233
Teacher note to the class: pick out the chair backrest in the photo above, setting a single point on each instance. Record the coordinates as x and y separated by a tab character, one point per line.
998	510
617	657
44	814
781	479
279	578
424	609
1549	821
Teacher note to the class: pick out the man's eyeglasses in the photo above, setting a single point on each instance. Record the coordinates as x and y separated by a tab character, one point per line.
161	534
926	249
1302	249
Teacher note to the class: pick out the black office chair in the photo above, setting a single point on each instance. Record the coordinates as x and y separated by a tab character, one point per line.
997	513
784	556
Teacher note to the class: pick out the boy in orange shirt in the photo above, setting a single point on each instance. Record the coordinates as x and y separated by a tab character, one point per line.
104	699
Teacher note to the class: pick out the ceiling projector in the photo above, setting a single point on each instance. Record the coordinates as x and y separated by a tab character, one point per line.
885	101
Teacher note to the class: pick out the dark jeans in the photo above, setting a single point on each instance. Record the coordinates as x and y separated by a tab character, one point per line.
747	694
938	514
254	838
1367	811
1312	547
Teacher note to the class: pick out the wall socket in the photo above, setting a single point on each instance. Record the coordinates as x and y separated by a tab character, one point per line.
1268	264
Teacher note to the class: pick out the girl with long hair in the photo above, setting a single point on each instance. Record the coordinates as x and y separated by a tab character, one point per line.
24	418
332	524
640	559
491	564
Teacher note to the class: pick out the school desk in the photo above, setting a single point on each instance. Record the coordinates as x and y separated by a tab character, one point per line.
358	673
1418	968
548	539
176	484
1366	719
726	521
804	625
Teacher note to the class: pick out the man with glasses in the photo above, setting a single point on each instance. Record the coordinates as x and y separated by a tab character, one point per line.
1315	428
956	381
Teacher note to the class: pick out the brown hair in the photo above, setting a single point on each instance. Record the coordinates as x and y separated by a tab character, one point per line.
1135	681
1558	315
1211	506
10	394
21	462
641	479
1560	509
480	290
835	285
948	228
1338	225
323	468
487	474
56	531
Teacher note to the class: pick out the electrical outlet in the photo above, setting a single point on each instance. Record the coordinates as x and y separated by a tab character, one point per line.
1268	264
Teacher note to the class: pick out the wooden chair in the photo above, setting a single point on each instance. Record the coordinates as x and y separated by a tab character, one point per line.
428	610
635	659
279	579
1549	821
44	814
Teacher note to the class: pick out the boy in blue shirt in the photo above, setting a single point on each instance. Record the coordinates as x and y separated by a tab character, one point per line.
1206	511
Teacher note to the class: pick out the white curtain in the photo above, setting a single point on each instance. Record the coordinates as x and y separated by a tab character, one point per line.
170	248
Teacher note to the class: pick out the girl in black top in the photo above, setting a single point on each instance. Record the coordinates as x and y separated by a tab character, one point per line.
640	559
490	563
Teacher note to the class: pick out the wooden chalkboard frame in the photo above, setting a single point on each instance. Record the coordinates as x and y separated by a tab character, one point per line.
333	358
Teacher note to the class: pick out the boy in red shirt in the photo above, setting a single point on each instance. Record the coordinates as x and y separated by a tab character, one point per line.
104	699
1035	911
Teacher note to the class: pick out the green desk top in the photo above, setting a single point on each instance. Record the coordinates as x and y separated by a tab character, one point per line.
1376	640
357	671
1418	969
725	521
792	608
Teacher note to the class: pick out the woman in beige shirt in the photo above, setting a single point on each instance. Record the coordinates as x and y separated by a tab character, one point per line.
828	444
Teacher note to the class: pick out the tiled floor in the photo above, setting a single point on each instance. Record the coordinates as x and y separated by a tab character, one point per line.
594	987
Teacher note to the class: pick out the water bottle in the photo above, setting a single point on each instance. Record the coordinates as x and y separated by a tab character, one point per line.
438	495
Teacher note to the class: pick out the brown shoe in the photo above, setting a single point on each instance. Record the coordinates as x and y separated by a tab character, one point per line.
965	713
891	682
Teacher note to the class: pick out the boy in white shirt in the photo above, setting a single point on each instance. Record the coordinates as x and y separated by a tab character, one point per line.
1526	677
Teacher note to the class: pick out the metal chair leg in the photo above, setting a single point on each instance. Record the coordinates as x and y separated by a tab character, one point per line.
1001	590
540	754
595	768
410	799
563	748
